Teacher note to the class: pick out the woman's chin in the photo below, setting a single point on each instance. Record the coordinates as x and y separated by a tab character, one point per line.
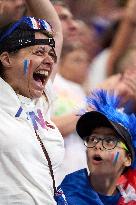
33	94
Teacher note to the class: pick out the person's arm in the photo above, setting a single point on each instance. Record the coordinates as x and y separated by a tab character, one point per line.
127	87
123	36
44	9
66	123
123	85
110	82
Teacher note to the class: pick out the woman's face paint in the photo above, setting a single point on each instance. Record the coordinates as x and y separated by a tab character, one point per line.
23	74
26	66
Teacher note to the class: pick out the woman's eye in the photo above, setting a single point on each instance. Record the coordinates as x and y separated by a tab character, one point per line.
39	52
53	55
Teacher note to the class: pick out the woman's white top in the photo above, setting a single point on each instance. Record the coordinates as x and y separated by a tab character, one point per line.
24	173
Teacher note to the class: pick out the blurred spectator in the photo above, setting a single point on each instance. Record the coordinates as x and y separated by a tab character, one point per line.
77	30
123	38
82	10
12	10
121	58
124	85
101	13
106	12
69	25
127	61
105	62
88	38
124	82
73	70
98	67
126	65
98	70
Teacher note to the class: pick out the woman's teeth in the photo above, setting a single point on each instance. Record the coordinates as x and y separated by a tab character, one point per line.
41	75
43	72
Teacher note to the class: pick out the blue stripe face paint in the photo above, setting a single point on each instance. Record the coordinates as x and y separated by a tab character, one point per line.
26	66
116	158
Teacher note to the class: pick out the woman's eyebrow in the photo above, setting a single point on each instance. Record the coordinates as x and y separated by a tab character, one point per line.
39	47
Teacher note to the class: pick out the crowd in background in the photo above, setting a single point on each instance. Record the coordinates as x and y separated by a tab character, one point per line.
106	32
99	47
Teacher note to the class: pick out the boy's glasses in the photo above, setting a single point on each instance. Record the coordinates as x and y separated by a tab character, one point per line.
108	142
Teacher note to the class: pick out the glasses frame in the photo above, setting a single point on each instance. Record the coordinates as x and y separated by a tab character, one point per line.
123	146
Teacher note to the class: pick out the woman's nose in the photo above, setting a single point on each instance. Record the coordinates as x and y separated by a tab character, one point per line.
48	59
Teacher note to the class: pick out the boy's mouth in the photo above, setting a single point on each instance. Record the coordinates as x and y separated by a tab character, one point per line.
97	158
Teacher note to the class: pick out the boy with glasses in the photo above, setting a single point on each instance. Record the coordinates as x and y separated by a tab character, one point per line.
110	136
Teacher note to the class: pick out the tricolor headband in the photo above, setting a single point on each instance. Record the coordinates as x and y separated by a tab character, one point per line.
22	34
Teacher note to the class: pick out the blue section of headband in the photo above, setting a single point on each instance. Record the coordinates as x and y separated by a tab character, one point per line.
29	21
10	30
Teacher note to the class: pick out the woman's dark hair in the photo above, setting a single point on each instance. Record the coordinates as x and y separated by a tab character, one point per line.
2	31
1	70
1	66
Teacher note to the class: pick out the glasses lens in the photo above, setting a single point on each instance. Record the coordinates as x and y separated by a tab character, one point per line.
91	141
110	142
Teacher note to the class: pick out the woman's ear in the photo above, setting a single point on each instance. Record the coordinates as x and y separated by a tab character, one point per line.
128	160
5	59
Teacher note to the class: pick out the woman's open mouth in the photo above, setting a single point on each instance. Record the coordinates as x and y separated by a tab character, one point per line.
41	76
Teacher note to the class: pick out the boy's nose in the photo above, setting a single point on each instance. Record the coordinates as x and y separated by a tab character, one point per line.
99	145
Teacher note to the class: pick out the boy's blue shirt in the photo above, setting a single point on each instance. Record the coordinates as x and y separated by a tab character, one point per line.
78	191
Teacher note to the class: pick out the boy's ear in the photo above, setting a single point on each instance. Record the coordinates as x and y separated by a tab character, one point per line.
5	59
128	160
